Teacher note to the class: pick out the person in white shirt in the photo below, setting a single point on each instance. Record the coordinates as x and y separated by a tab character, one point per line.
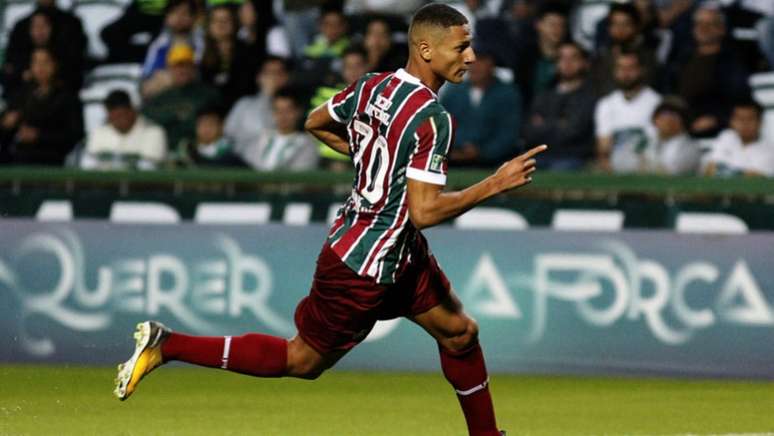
623	117
286	147
252	114
740	150
127	141
671	150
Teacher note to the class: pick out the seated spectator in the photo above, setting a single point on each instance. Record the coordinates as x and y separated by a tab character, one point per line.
488	115
535	71
175	109
649	30
318	65
382	54
211	147
625	33
740	149
563	117
622	118
179	28
287	146
710	77
672	151
251	115
354	66
259	30
332	40
127	141
127	39
42	33
44	121
227	63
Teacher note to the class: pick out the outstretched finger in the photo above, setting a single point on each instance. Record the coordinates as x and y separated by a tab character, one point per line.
533	151
530	163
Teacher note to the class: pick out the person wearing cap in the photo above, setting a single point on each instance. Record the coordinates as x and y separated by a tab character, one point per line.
127	141
671	150
488	115
175	108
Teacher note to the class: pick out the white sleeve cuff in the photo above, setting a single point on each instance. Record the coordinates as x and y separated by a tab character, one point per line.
426	176
329	105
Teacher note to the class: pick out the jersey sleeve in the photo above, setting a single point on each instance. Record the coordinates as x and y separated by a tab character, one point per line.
342	105
433	137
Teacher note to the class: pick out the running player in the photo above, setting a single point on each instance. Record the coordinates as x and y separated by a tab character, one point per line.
375	263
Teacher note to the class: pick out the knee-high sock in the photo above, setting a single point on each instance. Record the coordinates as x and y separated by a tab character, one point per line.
466	372
252	353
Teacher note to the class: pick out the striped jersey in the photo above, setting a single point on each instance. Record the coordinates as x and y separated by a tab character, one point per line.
397	130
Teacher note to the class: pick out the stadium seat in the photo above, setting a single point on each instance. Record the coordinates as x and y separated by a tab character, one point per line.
762	85
584	19
95	15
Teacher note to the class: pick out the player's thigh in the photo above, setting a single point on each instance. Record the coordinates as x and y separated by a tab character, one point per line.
306	362
448	323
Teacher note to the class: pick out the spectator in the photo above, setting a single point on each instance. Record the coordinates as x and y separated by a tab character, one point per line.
127	39
711	77
488	115
212	147
671	150
227	63
175	109
179	28
332	39
260	31
44	121
382	7
127	141
287	146
354	66
536	62
623	117
740	149
624	32
42	33
563	116
252	114
382	54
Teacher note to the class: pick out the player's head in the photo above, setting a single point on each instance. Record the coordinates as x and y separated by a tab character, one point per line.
440	39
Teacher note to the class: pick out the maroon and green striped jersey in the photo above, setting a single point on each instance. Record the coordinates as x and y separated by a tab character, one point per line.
397	130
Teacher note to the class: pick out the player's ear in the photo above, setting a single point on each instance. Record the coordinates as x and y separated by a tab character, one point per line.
425	50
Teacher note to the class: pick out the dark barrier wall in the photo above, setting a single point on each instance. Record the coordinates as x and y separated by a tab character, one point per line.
650	302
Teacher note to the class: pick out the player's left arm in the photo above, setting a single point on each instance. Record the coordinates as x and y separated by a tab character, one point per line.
322	126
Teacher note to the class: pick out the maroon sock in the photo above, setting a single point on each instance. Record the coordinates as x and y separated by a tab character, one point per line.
466	372
252	353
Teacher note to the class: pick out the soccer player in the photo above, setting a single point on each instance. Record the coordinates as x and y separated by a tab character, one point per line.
375	263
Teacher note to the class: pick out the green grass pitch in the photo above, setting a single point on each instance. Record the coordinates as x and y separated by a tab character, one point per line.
59	400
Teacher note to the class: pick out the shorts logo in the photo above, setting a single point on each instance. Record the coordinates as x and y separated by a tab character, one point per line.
436	162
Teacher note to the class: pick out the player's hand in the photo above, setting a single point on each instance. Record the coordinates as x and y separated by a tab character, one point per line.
518	171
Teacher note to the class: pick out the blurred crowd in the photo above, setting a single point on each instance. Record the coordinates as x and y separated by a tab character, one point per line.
640	86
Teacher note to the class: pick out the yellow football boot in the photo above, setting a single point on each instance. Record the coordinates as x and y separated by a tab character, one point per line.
147	356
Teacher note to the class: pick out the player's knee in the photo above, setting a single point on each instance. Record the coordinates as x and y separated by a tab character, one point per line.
466	338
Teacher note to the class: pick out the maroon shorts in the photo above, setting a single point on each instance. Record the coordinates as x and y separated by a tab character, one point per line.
342	307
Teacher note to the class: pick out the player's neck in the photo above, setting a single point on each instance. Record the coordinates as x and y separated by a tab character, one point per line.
425	75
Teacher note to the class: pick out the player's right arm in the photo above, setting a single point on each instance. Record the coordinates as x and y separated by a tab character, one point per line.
429	205
426	173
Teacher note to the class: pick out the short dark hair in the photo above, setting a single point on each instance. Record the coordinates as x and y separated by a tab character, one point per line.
290	93
173	4
118	98
274	58
675	104
356	49
583	52
551	7
628	9
438	14
748	102
634	53
212	109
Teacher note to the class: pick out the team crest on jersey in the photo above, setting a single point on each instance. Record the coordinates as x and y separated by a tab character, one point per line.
436	162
